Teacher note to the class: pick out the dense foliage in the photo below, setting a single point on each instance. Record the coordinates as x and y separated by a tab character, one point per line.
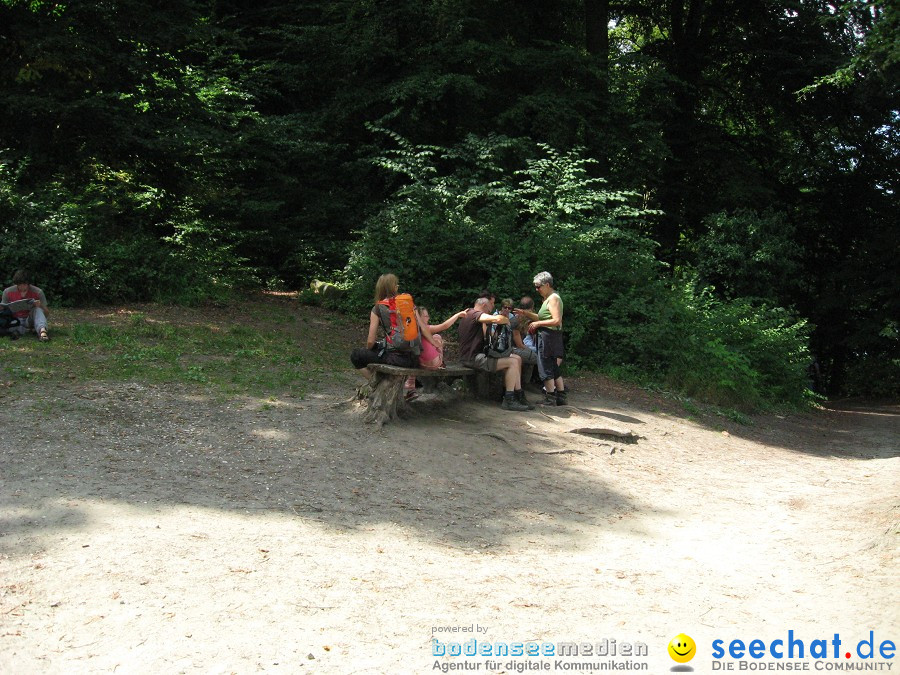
748	153
472	222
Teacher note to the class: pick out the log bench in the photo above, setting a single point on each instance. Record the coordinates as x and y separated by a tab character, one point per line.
386	396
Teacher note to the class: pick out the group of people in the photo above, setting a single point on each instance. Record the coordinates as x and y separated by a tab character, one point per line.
27	303
537	338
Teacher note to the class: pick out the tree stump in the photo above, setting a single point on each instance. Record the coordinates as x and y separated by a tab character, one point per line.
386	398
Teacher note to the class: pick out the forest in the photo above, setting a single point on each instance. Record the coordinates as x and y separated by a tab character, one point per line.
713	183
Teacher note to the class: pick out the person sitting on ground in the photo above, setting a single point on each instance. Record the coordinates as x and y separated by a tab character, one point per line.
472	329
35	317
432	356
386	287
547	324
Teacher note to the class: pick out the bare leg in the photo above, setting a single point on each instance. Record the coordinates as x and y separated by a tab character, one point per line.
512	376
518	368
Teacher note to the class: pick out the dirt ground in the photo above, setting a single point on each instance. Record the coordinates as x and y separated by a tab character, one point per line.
157	529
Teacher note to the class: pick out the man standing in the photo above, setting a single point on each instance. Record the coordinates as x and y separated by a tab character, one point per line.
33	317
471	352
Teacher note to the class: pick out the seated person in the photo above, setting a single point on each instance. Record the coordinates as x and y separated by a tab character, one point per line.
519	323
432	355
506	306
386	287
523	341
526	304
34	318
472	329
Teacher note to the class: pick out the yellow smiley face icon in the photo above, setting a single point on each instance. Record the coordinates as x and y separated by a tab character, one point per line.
682	648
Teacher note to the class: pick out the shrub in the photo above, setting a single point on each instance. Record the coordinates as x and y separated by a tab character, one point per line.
739	354
470	218
112	240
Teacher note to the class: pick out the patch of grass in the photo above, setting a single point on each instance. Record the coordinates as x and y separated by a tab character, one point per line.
735	416
691	408
274	350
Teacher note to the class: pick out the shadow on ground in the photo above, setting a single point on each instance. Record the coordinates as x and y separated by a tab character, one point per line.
466	475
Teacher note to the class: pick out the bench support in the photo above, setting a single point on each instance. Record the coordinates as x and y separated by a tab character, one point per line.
386	398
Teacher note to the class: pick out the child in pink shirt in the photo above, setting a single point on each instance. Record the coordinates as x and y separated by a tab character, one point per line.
432	356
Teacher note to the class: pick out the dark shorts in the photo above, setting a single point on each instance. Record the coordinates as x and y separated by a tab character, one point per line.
483	362
549	349
360	358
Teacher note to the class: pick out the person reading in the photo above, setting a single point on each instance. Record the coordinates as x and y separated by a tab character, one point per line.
28	304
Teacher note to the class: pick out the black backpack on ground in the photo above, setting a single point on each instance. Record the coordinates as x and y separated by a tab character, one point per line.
8	323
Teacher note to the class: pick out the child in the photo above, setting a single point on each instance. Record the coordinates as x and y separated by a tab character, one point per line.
432	356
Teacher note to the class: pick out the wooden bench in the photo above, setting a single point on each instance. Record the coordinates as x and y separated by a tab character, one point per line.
386	396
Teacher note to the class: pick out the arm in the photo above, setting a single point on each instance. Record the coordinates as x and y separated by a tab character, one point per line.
373	330
526	313
555	316
449	322
493	318
427	332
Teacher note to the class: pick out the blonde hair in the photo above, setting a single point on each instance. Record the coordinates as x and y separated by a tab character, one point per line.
386	286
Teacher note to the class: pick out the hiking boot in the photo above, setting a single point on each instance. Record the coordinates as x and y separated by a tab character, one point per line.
520	397
562	397
549	398
510	403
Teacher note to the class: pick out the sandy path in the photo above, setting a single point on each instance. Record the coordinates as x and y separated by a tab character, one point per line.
146	530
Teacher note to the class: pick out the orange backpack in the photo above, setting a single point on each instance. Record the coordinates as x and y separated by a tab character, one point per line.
398	318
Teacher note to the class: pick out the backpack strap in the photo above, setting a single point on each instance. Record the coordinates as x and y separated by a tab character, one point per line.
384	315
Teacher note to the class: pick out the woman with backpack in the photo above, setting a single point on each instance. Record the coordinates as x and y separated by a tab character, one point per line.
393	314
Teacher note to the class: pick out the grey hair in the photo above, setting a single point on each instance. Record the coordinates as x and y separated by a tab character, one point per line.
481	302
542	278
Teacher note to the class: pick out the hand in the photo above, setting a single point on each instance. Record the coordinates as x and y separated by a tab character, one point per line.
532	328
36	303
461	315
502	320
